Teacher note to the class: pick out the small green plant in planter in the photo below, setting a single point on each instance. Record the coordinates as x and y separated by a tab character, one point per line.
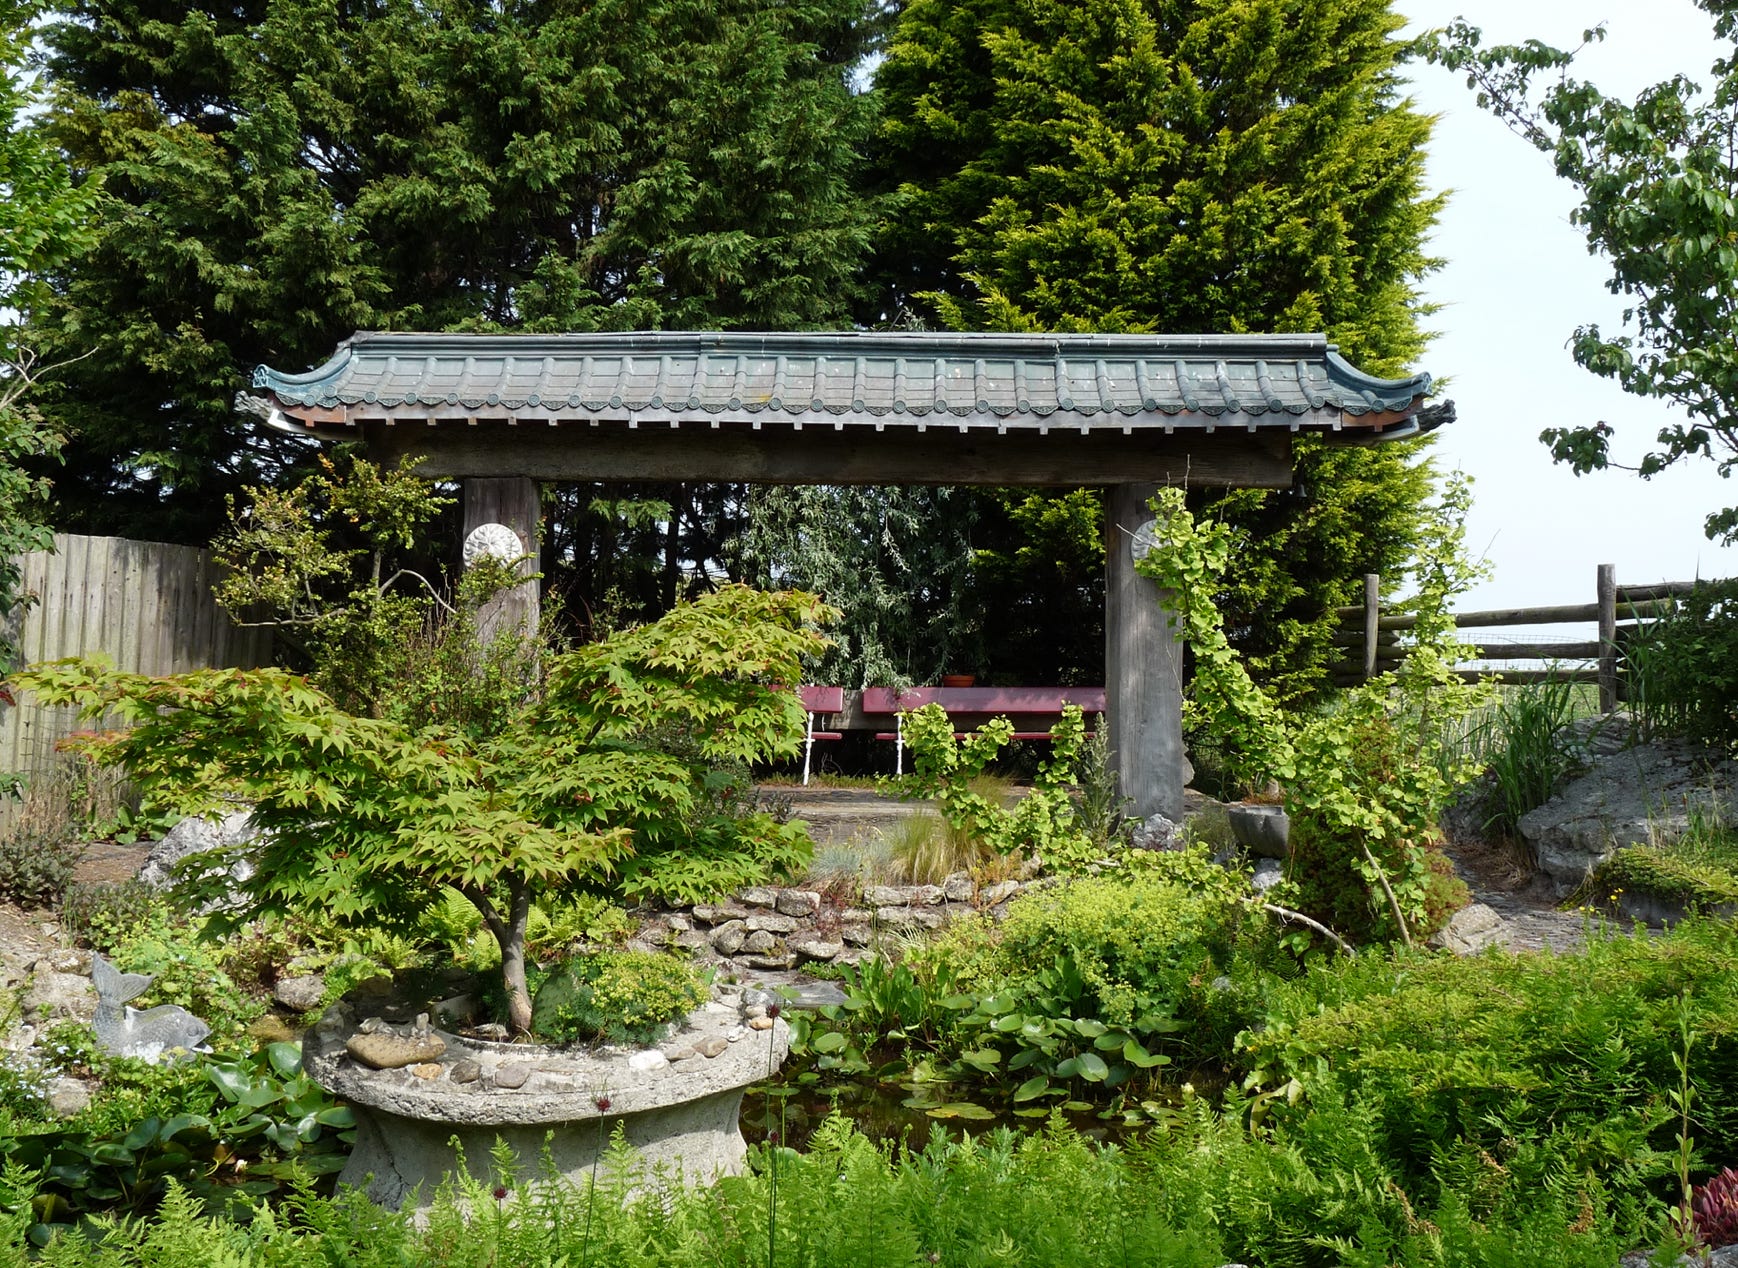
605	780
626	997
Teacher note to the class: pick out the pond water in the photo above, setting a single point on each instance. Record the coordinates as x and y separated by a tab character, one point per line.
910	1112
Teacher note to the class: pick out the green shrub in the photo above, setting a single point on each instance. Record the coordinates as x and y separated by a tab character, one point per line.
94	913
626	997
1681	671
38	852
1531	749
1558	1063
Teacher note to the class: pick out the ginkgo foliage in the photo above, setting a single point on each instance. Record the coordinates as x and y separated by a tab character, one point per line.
619	777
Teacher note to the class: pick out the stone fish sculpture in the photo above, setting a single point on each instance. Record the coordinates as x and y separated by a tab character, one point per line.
127	1032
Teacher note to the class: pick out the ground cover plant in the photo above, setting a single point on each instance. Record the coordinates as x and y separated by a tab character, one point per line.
1198	1196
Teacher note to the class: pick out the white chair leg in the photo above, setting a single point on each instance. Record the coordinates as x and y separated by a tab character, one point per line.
808	747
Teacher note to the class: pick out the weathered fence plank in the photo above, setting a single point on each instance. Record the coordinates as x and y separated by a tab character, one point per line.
1371	642
146	605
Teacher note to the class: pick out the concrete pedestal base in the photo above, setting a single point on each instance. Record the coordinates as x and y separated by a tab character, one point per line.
677	1107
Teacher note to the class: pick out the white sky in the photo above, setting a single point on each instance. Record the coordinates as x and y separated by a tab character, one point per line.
1518	281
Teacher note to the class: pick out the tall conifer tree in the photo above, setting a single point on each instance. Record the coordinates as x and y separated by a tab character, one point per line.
279	173
1177	166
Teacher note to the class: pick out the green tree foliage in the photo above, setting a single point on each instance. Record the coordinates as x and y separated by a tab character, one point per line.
895	561
610	780
43	219
1213	165
279	173
1658	180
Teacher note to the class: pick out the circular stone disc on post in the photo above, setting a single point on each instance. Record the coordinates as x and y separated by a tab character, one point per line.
492	541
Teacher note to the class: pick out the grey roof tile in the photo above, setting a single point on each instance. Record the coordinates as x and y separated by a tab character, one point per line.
902	379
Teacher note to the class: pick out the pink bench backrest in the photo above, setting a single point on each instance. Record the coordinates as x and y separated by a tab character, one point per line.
822	699
983	699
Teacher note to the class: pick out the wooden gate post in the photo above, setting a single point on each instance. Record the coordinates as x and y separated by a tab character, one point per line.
1143	663
1607	592
1372	617
512	501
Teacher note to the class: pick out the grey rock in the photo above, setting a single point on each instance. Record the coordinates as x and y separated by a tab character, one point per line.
199	836
798	902
1268	873
728	938
770	963
756	999
1156	832
815	948
693	942
300	994
772	924
959	887
928	895
57	996
647	1061
887	895
686	1052
859	933
759	896
720	913
466	1071
1649	793
910	918
1469	931
512	1076
998	892
384	1050
677	922
759	942
68	1096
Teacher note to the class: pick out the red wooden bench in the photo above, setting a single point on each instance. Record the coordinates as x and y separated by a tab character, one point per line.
818	701
1028	708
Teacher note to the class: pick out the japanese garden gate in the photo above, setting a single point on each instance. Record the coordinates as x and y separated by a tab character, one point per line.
1130	412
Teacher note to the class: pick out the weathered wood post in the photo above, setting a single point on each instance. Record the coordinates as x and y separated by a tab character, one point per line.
1372	620
1607	589
514	502
1143	659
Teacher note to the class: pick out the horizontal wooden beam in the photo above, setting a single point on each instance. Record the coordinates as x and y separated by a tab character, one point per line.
1514	676
1224	457
1643	609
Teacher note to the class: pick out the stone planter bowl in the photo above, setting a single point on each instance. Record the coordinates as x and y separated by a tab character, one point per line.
1262	830
677	1104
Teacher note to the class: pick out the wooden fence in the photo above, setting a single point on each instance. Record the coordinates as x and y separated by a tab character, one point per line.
146	605
1618	611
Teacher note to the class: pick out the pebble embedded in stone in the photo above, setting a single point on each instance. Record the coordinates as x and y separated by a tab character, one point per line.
651	1059
512	1075
428	1070
760	1023
735	1033
465	1072
684	1053
711	1046
384	1050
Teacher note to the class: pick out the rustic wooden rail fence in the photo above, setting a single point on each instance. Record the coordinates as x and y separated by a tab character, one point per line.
1618	611
146	605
